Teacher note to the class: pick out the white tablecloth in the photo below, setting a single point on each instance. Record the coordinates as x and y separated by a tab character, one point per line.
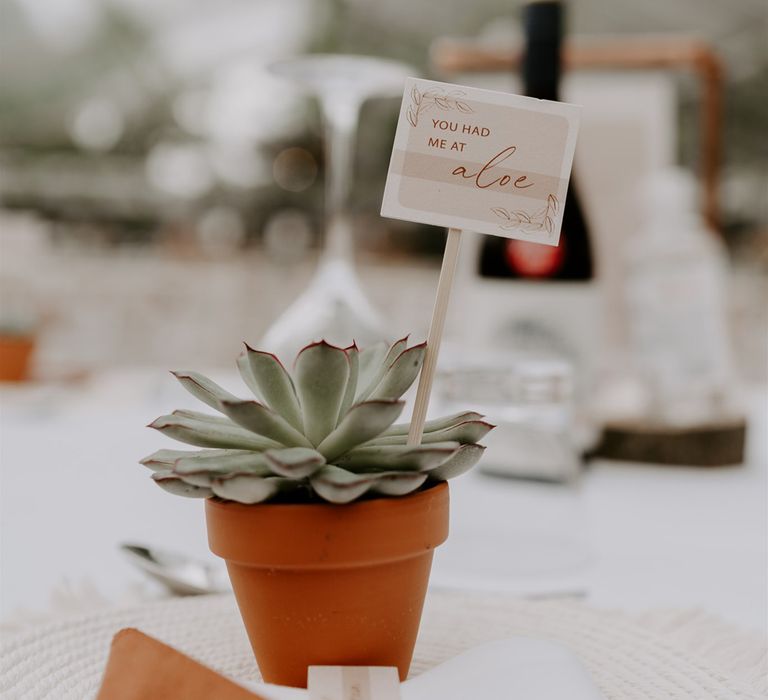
628	536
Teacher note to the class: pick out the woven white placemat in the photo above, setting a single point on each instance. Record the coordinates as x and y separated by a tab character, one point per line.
659	655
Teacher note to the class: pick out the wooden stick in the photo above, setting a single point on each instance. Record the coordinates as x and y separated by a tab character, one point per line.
444	285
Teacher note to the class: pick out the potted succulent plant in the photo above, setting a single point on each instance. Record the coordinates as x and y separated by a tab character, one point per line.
326	518
17	345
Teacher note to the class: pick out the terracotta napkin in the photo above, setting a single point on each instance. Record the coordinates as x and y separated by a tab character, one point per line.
142	668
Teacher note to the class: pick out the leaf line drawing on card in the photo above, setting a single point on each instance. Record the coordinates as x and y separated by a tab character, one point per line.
435	97
529	223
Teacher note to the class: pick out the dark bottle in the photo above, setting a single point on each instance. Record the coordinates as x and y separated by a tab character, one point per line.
572	259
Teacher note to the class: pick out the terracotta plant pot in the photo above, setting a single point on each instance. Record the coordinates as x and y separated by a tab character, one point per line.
15	357
323	584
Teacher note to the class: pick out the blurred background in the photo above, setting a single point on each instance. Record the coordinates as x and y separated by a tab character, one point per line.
155	177
162	198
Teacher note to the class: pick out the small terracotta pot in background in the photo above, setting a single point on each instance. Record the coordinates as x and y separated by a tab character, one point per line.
322	584
15	357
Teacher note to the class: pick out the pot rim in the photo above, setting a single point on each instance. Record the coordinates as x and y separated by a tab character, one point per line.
326	535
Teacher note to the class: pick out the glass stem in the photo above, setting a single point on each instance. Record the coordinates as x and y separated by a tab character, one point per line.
340	114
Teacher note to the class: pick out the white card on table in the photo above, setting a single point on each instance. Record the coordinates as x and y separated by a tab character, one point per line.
480	160
353	683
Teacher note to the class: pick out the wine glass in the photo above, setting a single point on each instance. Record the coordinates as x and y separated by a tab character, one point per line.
334	306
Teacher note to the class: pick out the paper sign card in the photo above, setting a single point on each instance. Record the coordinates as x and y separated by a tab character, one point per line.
353	683
480	160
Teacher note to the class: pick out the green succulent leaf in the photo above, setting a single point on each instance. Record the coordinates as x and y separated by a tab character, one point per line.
394	350
464	432
174	484
208	434
397	483
246	488
275	385
353	353
370	363
199	416
405	458
162	460
263	421
246	374
321	372
202	480
294	462
221	462
466	457
338	485
363	422
374	377
467	432
202	388
400	374
437	424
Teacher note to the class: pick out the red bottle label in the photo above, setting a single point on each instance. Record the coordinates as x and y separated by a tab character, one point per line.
534	259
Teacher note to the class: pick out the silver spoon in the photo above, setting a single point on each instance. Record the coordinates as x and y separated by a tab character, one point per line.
178	573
